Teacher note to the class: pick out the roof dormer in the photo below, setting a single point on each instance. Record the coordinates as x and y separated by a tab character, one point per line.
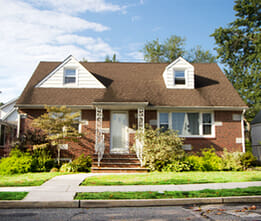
179	75
70	74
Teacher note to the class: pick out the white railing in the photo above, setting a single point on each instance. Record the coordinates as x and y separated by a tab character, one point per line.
99	148
99	141
139	141
139	150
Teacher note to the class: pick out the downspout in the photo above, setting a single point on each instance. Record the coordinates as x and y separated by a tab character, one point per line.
18	125
243	131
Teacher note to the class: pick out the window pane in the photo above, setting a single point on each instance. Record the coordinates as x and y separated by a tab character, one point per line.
179	74
164	118
69	72
178	122
2	135
179	77
164	121
70	76
193	127
207	129
207	121
207	118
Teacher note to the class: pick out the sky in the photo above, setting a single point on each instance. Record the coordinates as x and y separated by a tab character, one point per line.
51	30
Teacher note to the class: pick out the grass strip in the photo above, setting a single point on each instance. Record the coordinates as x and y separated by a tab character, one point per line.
12	195
27	179
162	178
250	191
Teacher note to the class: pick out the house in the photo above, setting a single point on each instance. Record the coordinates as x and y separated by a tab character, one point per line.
115	99
8	125
256	136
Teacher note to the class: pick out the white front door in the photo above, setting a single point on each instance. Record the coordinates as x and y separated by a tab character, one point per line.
119	132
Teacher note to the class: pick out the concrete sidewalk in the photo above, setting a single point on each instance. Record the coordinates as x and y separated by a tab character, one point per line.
63	188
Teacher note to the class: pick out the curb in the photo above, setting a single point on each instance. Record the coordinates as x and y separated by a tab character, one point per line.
127	203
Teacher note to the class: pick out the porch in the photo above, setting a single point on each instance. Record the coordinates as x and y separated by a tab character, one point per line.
113	145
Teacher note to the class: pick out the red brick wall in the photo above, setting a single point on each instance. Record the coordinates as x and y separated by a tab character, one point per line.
225	135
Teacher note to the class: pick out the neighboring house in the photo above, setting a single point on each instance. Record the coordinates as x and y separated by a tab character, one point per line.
117	98
256	136
8	124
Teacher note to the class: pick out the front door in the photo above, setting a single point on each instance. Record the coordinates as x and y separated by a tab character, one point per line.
119	132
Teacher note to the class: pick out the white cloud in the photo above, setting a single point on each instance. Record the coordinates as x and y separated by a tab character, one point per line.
29	35
75	6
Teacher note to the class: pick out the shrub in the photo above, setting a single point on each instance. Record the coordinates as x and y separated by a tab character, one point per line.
247	160
68	167
54	169
211	161
42	160
195	162
231	161
177	166
17	162
160	148
82	163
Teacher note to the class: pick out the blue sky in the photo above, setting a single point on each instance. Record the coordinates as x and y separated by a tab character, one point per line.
50	30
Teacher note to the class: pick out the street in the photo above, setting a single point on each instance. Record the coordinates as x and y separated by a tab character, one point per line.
205	212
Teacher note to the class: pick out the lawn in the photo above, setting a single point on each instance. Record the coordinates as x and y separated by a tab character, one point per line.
250	191
173	178
27	179
12	195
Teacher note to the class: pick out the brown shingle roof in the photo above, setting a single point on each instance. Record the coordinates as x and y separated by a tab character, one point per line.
135	82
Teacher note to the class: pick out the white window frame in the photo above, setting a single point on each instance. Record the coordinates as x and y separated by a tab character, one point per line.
213	131
185	75
76	76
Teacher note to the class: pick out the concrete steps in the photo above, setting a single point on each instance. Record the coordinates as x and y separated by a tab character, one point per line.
117	163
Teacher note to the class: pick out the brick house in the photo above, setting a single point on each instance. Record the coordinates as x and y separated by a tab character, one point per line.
115	99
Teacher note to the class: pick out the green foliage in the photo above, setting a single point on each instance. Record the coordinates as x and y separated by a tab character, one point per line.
82	163
43	161
17	162
58	125
160	148
209	161
239	48
172	48
109	60
196	162
177	166
231	161
247	160
68	167
199	55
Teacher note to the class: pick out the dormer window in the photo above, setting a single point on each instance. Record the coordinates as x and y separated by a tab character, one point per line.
179	77
69	76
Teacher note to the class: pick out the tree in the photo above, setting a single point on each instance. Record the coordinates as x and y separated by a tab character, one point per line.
59	125
108	59
172	48
199	55
239	48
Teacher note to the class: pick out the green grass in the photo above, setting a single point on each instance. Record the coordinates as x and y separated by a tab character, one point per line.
26	179
250	191
173	178
12	195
